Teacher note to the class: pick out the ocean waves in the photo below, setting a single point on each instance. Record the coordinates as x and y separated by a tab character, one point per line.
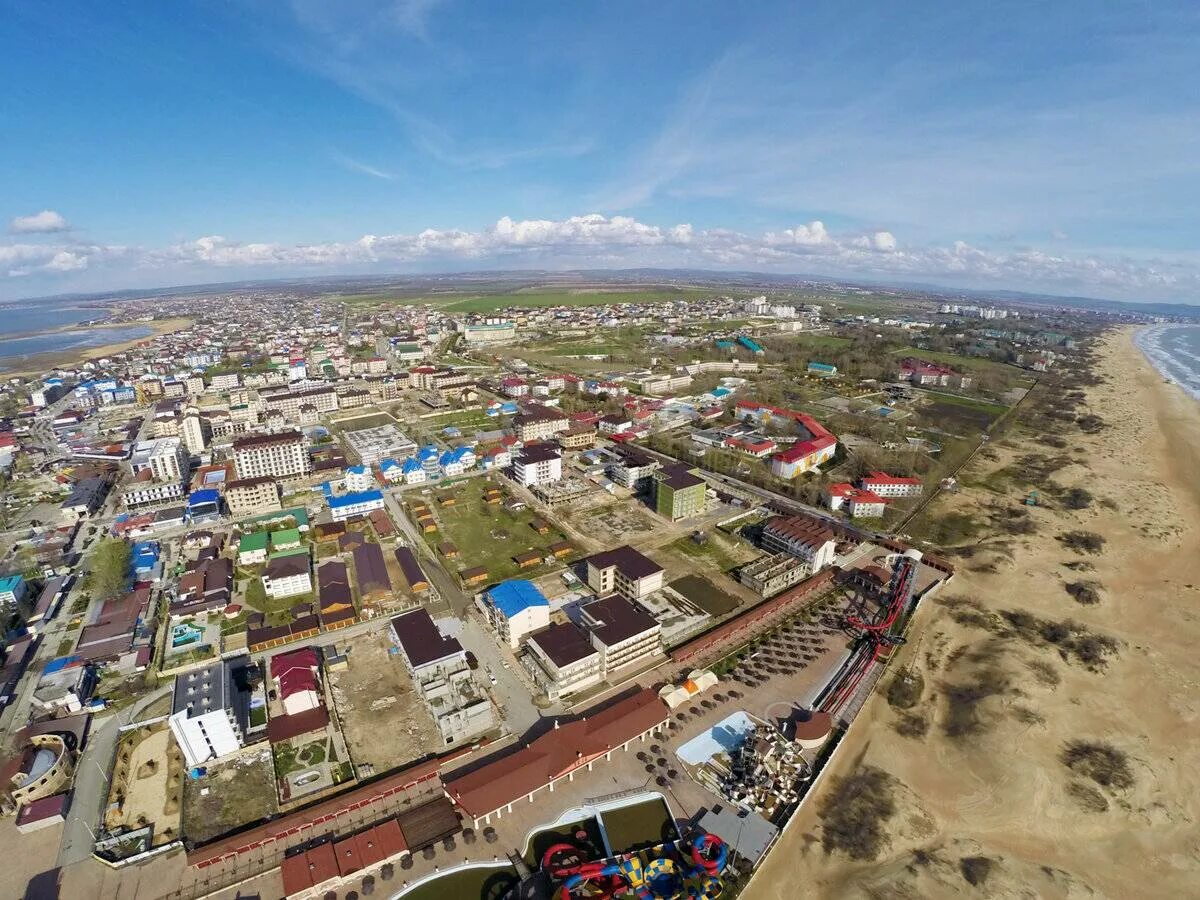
1175	351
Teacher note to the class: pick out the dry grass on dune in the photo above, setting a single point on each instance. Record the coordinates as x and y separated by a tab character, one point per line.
1034	736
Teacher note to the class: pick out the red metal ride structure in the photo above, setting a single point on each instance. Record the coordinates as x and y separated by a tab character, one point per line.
875	636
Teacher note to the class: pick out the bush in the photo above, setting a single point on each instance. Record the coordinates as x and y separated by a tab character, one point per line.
1102	763
1084	592
1082	541
975	869
855	811
1077	498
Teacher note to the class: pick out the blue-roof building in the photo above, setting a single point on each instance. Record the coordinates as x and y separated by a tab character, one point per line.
456	461
515	609
203	505
13	588
359	478
359	503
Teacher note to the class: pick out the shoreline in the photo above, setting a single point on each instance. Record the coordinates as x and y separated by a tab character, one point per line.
986	777
1145	338
38	364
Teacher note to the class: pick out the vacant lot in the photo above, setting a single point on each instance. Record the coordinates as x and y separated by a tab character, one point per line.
489	536
146	783
239	792
384	722
958	415
619	522
705	594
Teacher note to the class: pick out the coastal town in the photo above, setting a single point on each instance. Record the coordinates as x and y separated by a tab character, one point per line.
323	594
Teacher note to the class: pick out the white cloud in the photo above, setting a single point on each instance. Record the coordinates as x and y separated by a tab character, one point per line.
45	222
362	168
597	240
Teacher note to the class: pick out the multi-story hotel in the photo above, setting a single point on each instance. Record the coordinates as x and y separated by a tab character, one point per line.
283	455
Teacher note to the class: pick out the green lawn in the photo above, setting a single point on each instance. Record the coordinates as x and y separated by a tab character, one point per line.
968	363
488	536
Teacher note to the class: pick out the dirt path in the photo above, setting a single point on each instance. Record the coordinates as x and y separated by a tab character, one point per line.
1014	670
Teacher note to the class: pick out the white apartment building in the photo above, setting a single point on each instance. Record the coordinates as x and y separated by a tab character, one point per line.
287	575
624	571
168	460
540	464
210	711
148	492
562	661
283	455
540	425
623	633
324	400
196	434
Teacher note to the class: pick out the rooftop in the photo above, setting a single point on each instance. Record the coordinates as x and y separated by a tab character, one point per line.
513	597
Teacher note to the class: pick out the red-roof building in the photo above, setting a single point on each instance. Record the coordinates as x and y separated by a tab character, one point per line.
297	680
889	486
816	445
492	789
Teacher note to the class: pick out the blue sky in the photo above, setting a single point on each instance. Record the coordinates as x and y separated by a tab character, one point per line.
1026	146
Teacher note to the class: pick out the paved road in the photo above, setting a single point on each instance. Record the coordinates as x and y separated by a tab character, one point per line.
90	793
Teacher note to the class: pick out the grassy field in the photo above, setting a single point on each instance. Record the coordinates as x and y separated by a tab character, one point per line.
977	364
239	792
489	536
479	302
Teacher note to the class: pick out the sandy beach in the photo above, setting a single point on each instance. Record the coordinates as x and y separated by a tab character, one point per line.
38	363
1051	752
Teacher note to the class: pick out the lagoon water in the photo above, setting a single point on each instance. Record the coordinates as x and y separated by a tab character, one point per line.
31	324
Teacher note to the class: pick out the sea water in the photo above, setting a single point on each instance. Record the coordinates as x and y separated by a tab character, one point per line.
1175	352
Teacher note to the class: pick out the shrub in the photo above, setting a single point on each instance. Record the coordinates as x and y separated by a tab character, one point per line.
855	811
1082	541
1102	763
1077	498
1084	592
975	869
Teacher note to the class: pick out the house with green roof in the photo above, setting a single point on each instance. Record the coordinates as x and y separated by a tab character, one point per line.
285	539
252	549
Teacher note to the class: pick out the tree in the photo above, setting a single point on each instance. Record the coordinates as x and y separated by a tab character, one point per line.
108	573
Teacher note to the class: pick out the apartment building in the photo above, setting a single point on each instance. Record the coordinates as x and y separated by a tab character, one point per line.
287	574
562	660
251	496
633	470
283	455
196	433
357	504
623	633
804	537
679	492
515	609
539	464
210	710
290	403
145	491
891	486
539	424
624	571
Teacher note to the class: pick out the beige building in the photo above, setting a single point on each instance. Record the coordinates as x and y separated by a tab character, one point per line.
252	496
283	455
624	571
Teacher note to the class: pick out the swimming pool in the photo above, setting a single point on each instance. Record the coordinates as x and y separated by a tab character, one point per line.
184	634
727	734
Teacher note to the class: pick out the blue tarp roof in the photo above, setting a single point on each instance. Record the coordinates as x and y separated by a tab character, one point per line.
208	495
511	597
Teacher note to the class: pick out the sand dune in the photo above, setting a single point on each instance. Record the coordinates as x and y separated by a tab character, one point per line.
1014	670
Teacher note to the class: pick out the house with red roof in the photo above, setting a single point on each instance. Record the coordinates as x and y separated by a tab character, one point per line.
296	675
856	501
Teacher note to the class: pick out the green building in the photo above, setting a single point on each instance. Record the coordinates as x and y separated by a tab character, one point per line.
679	492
